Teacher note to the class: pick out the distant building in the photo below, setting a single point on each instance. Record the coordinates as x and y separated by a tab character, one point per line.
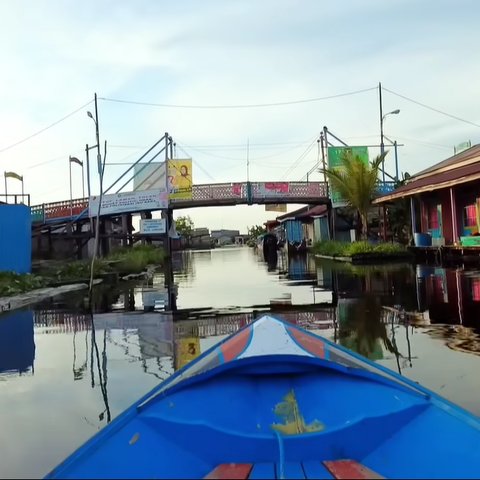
224	237
201	238
241	239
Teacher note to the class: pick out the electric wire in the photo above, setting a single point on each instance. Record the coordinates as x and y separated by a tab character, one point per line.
300	158
433	109
23	140
250	105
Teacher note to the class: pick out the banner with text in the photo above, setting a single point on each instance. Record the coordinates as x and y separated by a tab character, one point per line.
149	176
180	179
276	207
273	189
336	159
118	203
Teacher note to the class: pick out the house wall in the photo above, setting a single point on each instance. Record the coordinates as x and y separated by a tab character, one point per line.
438	201
308	233
467	194
464	195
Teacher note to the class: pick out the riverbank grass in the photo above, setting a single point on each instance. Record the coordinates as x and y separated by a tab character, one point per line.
359	250
121	261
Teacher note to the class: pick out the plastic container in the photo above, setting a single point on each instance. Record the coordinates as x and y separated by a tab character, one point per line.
423	240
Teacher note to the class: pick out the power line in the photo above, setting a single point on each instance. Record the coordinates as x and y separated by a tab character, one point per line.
196	163
421	142
300	158
8	147
251	105
242	159
432	108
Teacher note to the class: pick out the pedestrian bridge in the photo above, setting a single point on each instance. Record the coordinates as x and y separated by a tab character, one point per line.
206	195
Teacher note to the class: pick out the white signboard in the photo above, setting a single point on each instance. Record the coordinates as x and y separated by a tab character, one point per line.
148	176
118	203
153	225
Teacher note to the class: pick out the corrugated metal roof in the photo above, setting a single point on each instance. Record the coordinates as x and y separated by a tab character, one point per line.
443	179
451	162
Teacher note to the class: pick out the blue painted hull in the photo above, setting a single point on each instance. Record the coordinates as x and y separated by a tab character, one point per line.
283	401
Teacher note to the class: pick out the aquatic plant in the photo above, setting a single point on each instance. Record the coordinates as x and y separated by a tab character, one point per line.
13	283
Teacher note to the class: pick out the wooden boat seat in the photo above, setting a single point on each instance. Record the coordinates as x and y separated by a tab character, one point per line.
350	469
337	469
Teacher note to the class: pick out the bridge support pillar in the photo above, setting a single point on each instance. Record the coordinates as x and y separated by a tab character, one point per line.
125	230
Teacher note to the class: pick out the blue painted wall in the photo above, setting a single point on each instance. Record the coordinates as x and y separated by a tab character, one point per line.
15	238
293	230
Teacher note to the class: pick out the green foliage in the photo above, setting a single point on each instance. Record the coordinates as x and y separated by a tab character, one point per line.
389	248
256	231
184	226
123	260
136	259
329	248
356	183
398	216
71	271
356	248
344	249
13	283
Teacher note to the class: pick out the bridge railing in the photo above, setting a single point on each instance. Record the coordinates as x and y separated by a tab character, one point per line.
56	210
241	192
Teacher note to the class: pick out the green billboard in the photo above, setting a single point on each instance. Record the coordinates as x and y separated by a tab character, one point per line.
336	156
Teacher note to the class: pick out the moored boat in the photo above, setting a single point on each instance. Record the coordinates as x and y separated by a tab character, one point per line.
276	401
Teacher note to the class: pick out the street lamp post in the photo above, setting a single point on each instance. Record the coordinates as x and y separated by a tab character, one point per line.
382	144
79	162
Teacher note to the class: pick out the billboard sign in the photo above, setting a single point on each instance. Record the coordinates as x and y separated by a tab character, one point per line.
125	202
149	176
461	147
273	189
179	179
152	226
336	158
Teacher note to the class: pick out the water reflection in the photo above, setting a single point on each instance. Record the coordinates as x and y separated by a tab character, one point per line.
17	346
421	322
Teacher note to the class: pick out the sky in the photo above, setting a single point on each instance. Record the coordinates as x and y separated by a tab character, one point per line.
57	53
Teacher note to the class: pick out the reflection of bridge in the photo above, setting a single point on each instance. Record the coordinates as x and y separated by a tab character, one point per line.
55	321
209	195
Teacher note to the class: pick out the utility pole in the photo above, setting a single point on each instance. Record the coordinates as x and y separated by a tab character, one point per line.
382	145
331	210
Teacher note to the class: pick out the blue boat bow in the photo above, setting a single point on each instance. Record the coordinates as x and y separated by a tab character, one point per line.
276	401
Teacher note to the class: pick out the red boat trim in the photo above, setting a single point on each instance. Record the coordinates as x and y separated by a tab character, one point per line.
234	347
230	470
311	344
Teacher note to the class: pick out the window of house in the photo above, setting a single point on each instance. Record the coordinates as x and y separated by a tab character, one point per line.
432	217
470	216
475	282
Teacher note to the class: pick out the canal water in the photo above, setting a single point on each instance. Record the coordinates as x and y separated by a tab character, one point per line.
65	372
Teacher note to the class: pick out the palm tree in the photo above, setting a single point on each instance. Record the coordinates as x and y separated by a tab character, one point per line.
356	182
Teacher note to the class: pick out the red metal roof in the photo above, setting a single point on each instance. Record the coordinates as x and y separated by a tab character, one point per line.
443	175
304	212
